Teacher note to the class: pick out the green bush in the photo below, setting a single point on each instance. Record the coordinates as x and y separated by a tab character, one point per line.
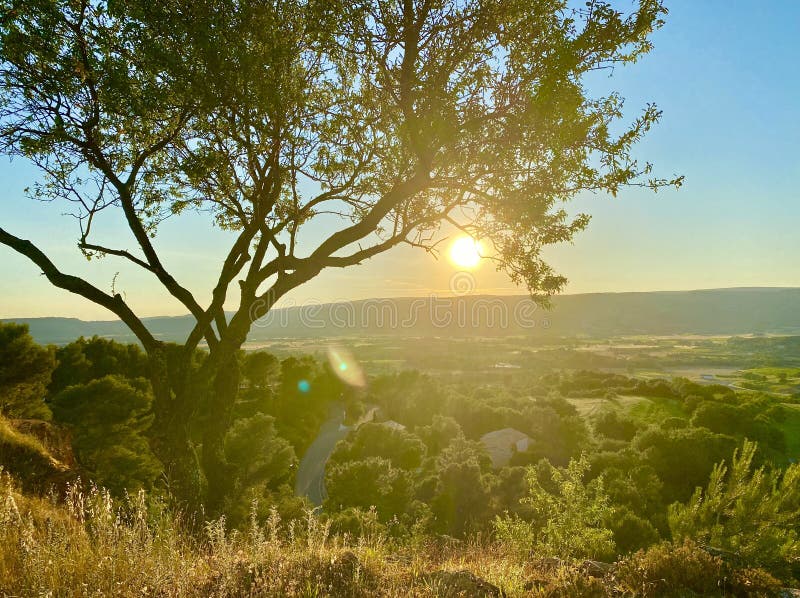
752	512
567	523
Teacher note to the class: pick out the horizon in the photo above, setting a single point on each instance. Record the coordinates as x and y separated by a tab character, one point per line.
432	295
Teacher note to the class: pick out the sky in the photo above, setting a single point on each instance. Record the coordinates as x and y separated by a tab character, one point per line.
725	74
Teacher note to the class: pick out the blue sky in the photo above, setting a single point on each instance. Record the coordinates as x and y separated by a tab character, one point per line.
726	74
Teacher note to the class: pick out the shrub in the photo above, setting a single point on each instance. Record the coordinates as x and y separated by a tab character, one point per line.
686	569
568	523
754	513
632	532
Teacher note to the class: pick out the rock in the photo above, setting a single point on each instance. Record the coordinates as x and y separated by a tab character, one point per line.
462	584
789	593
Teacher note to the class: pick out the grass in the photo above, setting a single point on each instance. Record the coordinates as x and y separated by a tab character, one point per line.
643	409
30	458
90	545
590	406
657	410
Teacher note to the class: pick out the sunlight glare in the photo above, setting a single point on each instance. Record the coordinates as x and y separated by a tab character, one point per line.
345	367
466	252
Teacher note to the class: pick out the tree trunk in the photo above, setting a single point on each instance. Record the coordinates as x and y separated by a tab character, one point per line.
223	390
170	436
222	376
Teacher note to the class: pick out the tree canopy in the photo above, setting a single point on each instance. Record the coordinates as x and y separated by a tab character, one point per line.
387	122
25	370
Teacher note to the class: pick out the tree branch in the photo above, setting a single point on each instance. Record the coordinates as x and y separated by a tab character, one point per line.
74	284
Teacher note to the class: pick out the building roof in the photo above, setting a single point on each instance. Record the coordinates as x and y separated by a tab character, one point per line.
501	444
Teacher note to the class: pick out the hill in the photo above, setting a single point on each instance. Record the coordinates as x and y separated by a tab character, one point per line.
704	312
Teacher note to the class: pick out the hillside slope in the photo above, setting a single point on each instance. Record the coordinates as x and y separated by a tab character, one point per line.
708	312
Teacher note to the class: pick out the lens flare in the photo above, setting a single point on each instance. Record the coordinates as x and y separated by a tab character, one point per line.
345	367
466	253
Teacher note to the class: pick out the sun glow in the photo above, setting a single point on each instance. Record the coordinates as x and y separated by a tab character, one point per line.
466	253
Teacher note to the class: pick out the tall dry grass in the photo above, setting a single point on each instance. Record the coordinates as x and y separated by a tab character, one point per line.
90	545
87	544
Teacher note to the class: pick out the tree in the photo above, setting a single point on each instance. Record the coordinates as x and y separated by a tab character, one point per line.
683	458
253	446
461	495
85	360
259	368
108	418
371	482
25	370
439	434
401	448
394	117
610	424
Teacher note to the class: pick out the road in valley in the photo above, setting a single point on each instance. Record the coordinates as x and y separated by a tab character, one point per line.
310	478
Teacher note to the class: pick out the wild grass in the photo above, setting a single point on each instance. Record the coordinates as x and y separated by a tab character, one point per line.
90	545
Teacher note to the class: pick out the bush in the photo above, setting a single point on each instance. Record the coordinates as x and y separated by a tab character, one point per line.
568	523
632	532
754	513
686	569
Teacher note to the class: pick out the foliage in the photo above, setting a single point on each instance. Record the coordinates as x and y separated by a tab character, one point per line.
744	419
385	119
92	544
461	494
568	522
254	448
611	424
631	532
108	418
25	370
300	410
403	449
369	483
260	368
85	360
439	433
555	437
752	512
682	458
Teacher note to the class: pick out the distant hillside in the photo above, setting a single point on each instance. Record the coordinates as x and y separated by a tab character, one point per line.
718	311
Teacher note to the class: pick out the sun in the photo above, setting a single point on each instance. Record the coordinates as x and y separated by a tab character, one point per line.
466	253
